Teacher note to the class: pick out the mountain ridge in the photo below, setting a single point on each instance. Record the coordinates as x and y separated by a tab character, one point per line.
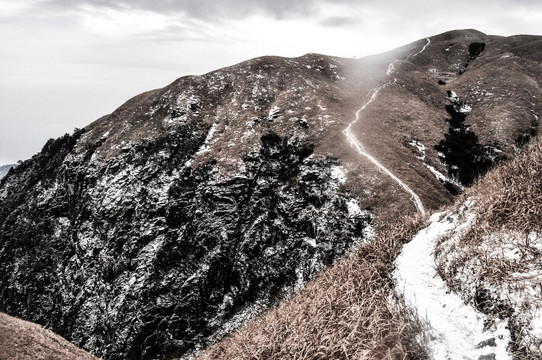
162	225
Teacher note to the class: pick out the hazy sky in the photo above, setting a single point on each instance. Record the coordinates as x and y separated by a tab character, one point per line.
64	63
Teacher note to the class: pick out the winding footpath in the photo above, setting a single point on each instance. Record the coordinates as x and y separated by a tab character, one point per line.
453	330
354	142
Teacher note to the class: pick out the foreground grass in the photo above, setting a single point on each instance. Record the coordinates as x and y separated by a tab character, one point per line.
349	311
23	340
497	264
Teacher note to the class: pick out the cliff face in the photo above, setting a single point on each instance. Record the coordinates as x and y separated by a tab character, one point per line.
162	226
141	254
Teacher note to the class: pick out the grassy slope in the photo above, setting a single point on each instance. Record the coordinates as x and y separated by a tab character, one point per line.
497	263
27	341
349	311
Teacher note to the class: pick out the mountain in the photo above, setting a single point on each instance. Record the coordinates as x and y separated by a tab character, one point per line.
163	226
389	300
4	169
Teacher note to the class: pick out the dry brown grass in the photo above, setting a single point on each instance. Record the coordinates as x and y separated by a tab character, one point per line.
349	311
496	264
23	340
510	196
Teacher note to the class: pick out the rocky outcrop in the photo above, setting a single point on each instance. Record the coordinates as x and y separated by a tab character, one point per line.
465	158
144	256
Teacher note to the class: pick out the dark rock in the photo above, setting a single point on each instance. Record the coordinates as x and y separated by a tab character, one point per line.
489	304
442	82
178	112
465	158
195	107
303	123
140	256
488	357
489	342
475	50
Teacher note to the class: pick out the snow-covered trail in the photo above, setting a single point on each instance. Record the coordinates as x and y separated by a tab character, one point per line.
424	47
391	66
455	330
359	147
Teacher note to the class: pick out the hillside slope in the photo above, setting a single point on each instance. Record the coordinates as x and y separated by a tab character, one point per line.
161	227
22	340
495	263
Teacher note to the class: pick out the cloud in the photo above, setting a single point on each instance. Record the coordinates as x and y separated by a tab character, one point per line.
203	9
81	58
339	21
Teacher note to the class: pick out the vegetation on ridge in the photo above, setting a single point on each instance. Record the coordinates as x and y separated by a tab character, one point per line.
496	264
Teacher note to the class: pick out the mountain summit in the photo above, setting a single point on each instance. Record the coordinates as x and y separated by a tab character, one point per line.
161	227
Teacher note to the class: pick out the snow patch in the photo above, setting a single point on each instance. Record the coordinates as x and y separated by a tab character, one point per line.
206	144
421	148
353	208
443	178
274	113
440	177
338	174
465	108
452	96
391	68
321	107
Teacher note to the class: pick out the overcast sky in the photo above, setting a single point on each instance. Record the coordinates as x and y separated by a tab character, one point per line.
64	63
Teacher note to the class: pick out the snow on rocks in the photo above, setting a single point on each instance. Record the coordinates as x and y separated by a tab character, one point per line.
465	108
513	259
454	330
206	145
459	106
274	113
452	96
338	174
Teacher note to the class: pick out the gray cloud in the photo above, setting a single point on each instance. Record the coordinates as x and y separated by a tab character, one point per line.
202	9
339	21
